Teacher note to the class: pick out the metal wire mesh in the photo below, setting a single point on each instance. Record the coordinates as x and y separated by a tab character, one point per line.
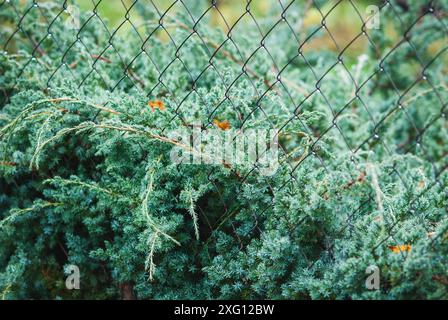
163	23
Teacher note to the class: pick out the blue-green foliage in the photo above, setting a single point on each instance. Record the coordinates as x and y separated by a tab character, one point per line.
86	178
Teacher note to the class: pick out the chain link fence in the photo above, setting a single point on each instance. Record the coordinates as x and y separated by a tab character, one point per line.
365	69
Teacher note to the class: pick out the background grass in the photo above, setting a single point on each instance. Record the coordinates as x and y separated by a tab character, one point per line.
343	21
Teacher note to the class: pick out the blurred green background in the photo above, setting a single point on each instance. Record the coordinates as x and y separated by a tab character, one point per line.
343	19
114	10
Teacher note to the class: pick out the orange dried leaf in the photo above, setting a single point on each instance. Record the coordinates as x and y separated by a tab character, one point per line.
226	165
223	125
431	234
156	104
400	248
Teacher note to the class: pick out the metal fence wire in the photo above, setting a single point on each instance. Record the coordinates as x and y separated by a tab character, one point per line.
326	67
